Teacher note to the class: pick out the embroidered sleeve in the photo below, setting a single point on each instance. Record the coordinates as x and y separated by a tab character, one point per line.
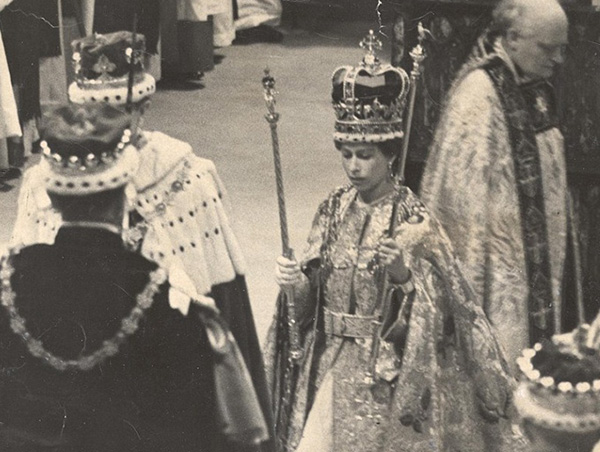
484	357
315	252
443	292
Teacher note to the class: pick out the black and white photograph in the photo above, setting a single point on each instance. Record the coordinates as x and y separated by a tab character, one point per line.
300	225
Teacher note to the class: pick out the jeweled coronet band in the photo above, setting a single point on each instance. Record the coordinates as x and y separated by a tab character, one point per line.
348	131
90	163
556	405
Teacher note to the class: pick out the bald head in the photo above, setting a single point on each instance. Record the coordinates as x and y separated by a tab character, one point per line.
534	34
526	15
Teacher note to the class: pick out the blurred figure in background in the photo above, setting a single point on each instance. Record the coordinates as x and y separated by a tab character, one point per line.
26	40
10	129
186	34
256	20
224	27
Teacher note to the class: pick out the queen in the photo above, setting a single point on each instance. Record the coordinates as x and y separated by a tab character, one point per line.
397	352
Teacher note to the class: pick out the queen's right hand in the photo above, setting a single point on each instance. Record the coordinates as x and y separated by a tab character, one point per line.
287	272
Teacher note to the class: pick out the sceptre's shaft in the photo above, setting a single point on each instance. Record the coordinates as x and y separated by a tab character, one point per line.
132	61
418	55
285	240
576	261
272	117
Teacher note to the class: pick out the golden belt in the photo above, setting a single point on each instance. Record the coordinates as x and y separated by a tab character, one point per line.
350	325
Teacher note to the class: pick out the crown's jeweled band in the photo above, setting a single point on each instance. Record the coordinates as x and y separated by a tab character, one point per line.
91	163
561	406
86	183
114	95
530	408
367	133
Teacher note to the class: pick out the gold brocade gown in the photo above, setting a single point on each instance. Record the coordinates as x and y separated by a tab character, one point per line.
430	385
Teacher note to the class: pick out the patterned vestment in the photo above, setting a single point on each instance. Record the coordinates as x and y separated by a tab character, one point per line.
470	185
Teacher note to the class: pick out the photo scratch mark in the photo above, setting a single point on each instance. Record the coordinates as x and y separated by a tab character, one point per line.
332	38
133	428
379	19
84	337
64	421
43	19
124	291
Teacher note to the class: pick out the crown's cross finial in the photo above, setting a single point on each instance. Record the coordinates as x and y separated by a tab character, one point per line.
371	44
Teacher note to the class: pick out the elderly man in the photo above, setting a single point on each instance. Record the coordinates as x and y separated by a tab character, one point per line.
496	176
93	357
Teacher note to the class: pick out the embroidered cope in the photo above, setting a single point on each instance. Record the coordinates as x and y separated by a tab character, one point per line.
470	184
431	383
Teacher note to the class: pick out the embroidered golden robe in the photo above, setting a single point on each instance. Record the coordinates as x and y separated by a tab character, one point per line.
431	384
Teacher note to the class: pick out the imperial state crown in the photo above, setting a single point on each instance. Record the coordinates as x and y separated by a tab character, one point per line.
369	99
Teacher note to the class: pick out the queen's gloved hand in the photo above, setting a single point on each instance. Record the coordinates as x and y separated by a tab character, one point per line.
287	272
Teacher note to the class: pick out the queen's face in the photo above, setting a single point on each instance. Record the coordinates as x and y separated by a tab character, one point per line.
367	168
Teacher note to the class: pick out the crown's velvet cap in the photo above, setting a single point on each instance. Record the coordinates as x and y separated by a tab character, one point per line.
81	130
87	149
108	55
102	65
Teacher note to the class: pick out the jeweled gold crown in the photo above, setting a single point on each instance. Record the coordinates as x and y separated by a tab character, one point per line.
369	99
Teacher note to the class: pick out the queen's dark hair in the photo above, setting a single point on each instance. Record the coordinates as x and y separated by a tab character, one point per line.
389	148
